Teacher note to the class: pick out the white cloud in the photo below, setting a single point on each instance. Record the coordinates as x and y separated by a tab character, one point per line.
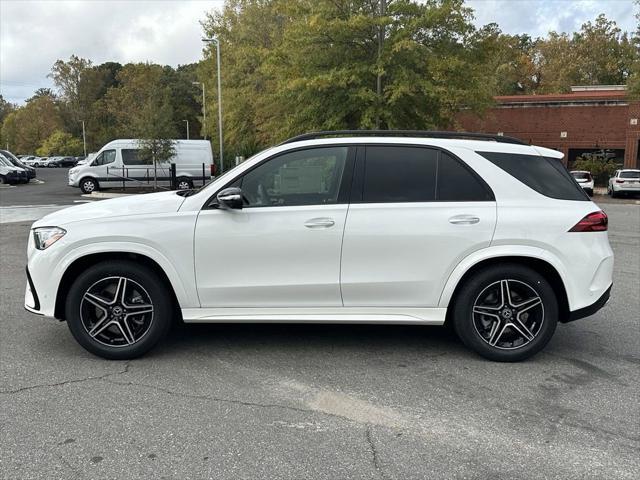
538	17
36	33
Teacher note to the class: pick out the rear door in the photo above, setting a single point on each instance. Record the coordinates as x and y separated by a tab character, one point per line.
415	213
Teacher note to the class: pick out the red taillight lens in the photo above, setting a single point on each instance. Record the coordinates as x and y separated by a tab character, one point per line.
213	169
619	181
594	222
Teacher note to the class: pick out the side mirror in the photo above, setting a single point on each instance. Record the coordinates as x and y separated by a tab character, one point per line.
230	198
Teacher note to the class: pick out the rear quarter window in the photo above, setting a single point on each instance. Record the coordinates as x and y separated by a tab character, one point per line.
547	176
629	174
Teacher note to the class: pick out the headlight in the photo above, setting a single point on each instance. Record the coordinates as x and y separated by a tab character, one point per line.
44	237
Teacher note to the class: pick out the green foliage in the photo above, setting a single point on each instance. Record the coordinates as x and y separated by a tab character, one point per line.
598	54
294	66
601	168
26	128
60	143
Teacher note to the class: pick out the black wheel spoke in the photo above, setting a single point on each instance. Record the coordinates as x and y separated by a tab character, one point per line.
508	314
116	311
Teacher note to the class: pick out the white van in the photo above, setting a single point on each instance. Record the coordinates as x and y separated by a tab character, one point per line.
117	165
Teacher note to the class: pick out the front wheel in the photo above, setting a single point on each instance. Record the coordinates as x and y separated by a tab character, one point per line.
118	310
88	185
506	313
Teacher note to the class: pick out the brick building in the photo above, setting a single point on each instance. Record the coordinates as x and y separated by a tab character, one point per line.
588	119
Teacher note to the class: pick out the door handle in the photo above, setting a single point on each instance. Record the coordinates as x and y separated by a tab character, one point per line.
464	220
319	223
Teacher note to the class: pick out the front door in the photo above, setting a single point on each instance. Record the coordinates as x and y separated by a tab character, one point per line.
416	213
282	249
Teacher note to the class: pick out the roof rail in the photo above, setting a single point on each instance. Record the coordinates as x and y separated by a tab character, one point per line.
405	133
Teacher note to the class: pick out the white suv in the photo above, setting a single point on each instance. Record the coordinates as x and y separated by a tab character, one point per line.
481	231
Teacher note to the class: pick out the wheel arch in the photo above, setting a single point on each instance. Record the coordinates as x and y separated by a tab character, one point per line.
542	266
82	263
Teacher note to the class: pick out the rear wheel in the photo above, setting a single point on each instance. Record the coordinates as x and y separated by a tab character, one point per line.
506	313
88	185
118	310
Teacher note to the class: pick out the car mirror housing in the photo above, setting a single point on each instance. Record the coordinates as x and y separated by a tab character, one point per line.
230	198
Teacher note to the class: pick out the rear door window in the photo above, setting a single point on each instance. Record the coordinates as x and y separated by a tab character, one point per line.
456	182
400	174
547	176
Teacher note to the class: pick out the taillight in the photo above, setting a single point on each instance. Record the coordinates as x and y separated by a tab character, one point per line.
594	222
619	181
213	169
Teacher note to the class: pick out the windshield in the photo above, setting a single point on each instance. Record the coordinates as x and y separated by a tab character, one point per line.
5	162
632	174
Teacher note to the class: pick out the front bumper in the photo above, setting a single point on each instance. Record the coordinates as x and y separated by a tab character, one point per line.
589	309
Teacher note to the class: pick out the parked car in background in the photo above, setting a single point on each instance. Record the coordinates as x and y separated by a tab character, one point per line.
11	173
118	164
52	162
31	172
63	162
584	179
39	161
86	159
624	181
483	231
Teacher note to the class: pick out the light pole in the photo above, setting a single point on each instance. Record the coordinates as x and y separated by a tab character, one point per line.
187	121
204	110
216	42
84	140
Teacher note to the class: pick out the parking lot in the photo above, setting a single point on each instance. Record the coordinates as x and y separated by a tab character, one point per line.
296	401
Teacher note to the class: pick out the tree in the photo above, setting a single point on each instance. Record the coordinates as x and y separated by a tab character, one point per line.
141	107
60	143
293	66
26	128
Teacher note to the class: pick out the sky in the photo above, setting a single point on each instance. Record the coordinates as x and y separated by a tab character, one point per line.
36	33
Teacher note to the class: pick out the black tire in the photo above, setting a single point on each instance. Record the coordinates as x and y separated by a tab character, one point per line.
145	330
183	183
511	345
589	192
89	185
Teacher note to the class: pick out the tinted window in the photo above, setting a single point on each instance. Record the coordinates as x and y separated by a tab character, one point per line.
547	176
581	175
106	157
130	157
629	174
457	184
399	174
303	177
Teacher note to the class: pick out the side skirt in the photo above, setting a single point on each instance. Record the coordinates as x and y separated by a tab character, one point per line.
352	315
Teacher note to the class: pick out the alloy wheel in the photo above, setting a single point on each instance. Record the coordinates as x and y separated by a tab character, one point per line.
116	311
508	314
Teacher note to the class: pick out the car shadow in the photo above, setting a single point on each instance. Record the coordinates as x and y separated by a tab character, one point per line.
310	338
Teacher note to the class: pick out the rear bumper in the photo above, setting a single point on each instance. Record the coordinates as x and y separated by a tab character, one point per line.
589	309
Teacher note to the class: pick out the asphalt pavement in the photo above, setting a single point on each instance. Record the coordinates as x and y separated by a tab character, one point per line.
329	402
